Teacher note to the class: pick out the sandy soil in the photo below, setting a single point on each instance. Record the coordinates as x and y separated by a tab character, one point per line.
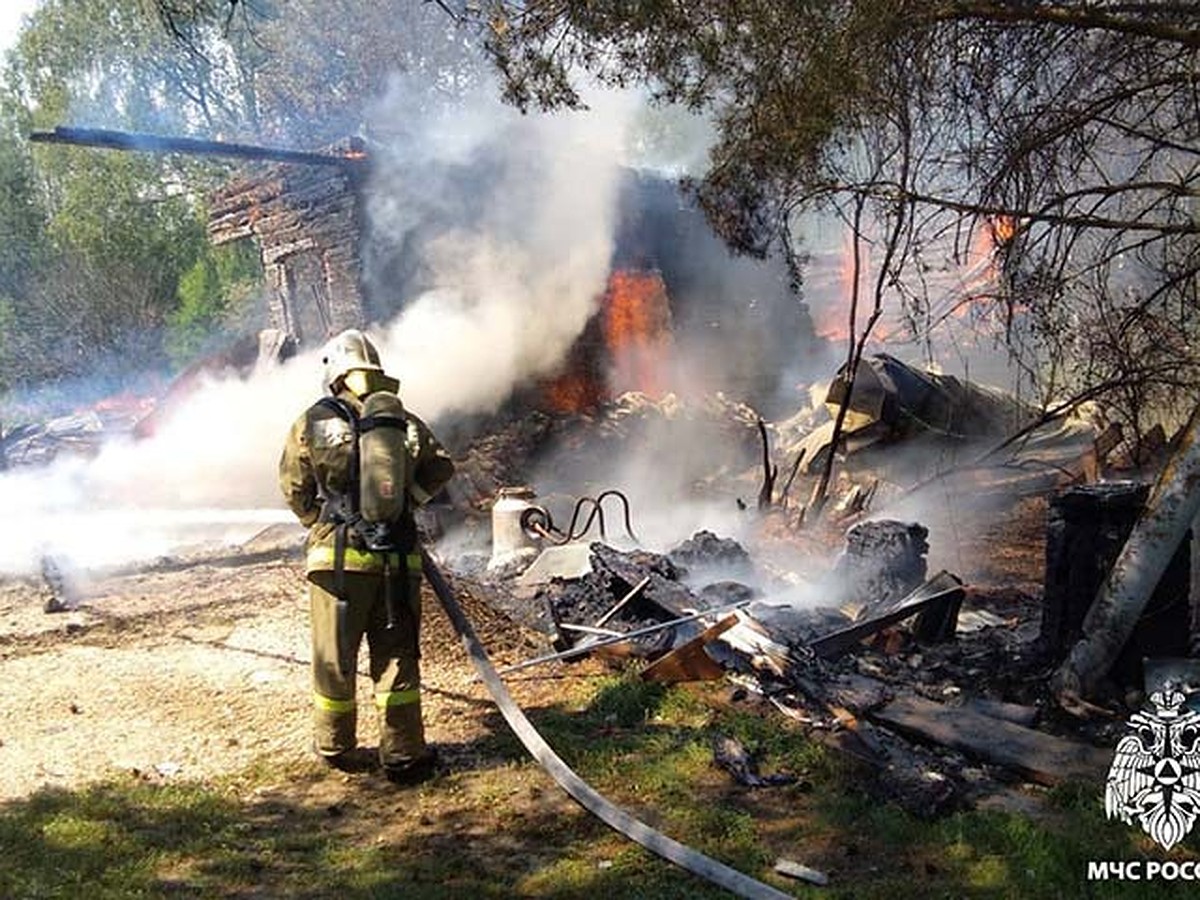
196	667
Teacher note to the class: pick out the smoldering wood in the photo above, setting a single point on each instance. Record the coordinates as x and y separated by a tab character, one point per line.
1088	527
883	560
628	569
706	553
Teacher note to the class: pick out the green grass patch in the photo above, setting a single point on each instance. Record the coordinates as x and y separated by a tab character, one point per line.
501	829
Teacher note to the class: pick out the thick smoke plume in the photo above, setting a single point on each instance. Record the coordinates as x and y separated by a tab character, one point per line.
510	287
504	286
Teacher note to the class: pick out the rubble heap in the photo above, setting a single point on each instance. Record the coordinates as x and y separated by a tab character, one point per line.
938	716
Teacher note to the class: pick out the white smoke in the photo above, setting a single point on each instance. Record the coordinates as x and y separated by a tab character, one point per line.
511	292
208	474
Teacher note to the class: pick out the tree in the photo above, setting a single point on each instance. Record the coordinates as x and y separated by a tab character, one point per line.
308	72
215	297
114	231
1068	130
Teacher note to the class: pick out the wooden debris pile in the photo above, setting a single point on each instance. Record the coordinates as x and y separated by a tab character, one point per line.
931	686
507	450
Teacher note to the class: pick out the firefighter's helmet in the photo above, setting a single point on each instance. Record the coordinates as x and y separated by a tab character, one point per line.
347	352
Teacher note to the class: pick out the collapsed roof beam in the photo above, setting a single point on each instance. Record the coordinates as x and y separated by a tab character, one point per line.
153	143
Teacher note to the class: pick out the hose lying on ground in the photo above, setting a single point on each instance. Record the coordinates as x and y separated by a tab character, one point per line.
695	862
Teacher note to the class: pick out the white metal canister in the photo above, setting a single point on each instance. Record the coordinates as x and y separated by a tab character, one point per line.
510	542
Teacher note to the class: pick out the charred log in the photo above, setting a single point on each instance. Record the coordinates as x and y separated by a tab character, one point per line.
1087	528
883	561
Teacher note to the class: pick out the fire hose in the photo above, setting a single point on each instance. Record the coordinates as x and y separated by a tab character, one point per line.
616	818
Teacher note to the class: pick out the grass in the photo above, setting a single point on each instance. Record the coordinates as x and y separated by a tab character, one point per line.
501	829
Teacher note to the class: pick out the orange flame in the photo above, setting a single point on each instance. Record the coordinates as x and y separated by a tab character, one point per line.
983	267
1003	229
832	320
637	331
573	392
625	347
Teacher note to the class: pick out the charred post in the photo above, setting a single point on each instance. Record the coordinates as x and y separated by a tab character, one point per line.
1087	528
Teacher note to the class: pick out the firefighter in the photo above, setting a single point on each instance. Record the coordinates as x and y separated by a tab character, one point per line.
364	576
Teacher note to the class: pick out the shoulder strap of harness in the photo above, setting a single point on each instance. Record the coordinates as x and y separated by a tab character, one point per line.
343	410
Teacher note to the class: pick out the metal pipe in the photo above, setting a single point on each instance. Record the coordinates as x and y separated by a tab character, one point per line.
633	592
590	629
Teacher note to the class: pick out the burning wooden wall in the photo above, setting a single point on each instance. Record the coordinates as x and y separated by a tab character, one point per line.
674	288
307	222
626	346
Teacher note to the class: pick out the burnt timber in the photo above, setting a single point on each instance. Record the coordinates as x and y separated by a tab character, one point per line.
307	222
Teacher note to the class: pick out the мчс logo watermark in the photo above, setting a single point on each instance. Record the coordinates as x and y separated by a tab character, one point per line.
1154	779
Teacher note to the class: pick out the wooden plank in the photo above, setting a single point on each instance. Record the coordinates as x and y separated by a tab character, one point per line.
998	709
1040	757
688	661
940	588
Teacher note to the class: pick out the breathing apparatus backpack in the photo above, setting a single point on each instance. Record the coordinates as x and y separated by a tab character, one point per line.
373	506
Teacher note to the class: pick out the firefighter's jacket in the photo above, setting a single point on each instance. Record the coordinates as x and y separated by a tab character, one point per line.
317	460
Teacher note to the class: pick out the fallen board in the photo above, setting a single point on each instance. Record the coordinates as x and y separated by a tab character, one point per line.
689	662
941	588
1040	757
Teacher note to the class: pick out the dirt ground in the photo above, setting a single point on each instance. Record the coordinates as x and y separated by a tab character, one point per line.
197	667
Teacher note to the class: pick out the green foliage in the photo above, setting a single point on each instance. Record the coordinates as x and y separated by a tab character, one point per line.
100	239
103	258
212	296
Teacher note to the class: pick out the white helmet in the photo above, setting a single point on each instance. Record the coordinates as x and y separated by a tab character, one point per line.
346	352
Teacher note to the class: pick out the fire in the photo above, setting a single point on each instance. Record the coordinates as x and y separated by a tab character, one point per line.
573	392
637	331
983	264
831	321
1003	229
626	346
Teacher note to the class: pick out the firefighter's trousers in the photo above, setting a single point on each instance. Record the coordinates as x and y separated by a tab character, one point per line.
394	658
